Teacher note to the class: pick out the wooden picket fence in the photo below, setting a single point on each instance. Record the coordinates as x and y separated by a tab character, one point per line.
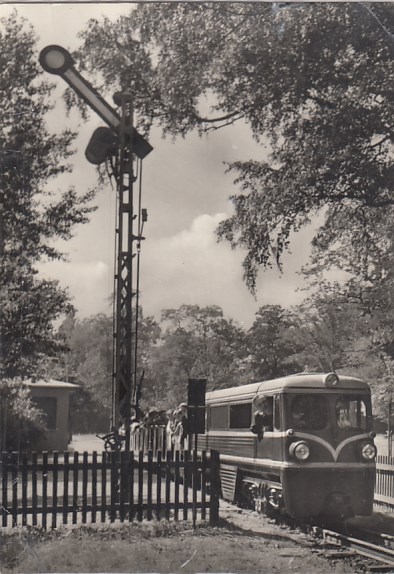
46	489
384	486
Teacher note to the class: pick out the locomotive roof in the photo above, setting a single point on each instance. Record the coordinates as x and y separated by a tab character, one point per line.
307	381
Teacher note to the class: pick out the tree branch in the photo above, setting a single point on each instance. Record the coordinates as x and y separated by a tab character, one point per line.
229	116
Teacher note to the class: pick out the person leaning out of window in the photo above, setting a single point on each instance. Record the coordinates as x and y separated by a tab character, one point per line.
262	416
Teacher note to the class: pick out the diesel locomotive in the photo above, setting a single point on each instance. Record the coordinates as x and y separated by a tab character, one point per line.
311	456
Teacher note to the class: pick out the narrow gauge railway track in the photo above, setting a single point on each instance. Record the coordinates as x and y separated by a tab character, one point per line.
378	538
352	540
378	552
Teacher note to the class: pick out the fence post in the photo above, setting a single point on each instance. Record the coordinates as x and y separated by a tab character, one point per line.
66	467
149	485
94	486
44	489
25	464
34	473
115	476
124	483
84	486
203	484
104	505
194	486
215	488
55	466
4	480
140	514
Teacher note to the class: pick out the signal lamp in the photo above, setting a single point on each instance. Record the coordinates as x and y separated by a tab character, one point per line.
101	146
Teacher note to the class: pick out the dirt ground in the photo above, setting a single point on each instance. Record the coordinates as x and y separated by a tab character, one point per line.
244	543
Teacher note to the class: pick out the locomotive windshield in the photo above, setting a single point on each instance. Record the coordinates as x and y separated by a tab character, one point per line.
309	412
351	413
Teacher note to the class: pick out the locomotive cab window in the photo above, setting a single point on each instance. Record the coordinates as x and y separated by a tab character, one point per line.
351	413
277	421
309	412
240	416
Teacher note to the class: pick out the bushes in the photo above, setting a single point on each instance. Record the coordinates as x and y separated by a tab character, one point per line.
21	422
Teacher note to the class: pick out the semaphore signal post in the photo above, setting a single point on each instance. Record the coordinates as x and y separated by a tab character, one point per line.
118	145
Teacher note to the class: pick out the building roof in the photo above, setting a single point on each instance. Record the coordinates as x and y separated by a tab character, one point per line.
50	384
307	381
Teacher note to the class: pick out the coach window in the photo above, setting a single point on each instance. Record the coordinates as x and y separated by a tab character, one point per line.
240	416
218	417
277	421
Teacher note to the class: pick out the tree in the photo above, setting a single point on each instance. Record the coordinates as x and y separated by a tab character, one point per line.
314	84
33	214
20	420
196	342
273	343
88	362
340	333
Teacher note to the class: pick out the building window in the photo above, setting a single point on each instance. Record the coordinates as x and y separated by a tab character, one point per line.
218	417
48	407
240	416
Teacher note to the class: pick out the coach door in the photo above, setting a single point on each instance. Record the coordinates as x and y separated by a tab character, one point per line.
268	443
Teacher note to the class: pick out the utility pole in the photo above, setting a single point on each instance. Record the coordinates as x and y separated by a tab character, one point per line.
122	141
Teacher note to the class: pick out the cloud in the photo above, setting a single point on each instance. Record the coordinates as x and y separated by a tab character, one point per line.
189	267
89	284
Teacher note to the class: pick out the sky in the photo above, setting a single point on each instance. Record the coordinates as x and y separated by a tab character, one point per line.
186	192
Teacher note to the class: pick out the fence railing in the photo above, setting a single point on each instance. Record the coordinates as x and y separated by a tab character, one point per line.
50	488
150	438
384	486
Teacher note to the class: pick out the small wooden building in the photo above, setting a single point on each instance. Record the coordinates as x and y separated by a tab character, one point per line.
53	399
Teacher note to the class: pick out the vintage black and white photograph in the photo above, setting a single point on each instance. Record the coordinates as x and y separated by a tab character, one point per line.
196	287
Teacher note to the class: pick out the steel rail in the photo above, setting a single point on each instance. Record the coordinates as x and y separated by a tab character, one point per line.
379	538
362	547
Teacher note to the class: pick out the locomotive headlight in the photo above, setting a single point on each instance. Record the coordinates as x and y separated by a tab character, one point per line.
368	451
300	450
331	380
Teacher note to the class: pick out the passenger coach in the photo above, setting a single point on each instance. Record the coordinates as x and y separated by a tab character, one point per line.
315	459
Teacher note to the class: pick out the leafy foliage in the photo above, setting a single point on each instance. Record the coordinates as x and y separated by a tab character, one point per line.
273	343
324	334
20	419
314	83
32	214
88	362
197	343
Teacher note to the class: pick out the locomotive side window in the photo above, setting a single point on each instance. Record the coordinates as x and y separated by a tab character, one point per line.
277	422
309	412
351	413
240	416
218	417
